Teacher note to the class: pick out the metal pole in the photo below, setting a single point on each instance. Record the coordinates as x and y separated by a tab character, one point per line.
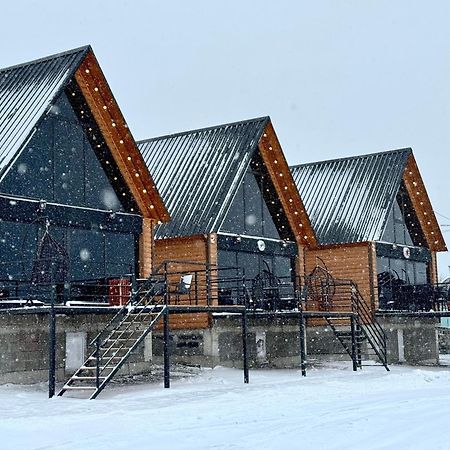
244	345
302	343
52	345
244	290
358	344
97	361
166	349
208	285
354	351
166	286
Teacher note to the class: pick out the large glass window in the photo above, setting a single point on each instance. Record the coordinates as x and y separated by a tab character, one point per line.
397	227
255	263
92	254
249	213
405	270
60	165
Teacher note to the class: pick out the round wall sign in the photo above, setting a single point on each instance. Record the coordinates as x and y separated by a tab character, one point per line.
261	245
406	252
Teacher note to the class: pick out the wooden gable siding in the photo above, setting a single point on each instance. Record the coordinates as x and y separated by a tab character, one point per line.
199	249
281	176
422	205
125	153
119	139
348	262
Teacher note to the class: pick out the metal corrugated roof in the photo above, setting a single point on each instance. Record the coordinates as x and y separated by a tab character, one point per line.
348	199
26	91
198	172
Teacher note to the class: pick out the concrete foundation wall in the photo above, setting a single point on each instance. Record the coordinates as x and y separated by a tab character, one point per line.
411	339
272	342
24	346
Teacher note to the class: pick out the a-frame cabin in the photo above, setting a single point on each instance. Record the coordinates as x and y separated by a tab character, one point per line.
69	165
373	220
232	202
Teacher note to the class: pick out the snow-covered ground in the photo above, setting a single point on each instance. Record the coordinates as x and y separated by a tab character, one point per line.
333	408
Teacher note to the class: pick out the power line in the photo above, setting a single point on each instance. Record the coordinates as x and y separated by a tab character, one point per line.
442	215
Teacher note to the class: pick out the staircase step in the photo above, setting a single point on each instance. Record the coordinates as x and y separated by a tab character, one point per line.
113	352
95	368
85	378
111	349
93	358
80	388
120	339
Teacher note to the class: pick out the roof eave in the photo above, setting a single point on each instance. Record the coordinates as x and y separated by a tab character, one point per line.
422	205
275	161
104	107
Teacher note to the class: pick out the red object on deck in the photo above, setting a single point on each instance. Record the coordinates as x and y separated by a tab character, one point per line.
119	290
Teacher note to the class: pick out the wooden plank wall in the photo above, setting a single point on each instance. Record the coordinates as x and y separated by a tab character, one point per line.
146	248
199	249
350	262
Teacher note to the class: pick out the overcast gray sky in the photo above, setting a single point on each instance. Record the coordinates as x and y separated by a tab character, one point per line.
338	78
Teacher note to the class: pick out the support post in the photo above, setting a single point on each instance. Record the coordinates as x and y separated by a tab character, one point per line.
97	363
302	343
244	345
208	284
166	286
166	349
52	345
133	285
354	350
358	344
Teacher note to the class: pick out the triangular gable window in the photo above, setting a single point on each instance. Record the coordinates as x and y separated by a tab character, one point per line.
60	165
253	213
402	226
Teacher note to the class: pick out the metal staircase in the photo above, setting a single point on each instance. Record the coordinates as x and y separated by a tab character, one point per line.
123	334
359	329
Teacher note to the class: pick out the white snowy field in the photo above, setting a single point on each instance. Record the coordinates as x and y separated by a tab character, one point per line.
333	408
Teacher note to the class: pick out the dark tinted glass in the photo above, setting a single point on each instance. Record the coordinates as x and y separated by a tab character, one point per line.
119	254
18	246
234	221
249	213
60	165
253	206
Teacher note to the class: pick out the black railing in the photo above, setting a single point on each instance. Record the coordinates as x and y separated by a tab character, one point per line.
409	297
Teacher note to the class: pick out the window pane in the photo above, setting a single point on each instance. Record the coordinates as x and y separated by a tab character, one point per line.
411	279
69	167
382	264
253	206
421	273
87	254
250	263
32	174
283	267
119	250
234	221
18	247
398	267
389	234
